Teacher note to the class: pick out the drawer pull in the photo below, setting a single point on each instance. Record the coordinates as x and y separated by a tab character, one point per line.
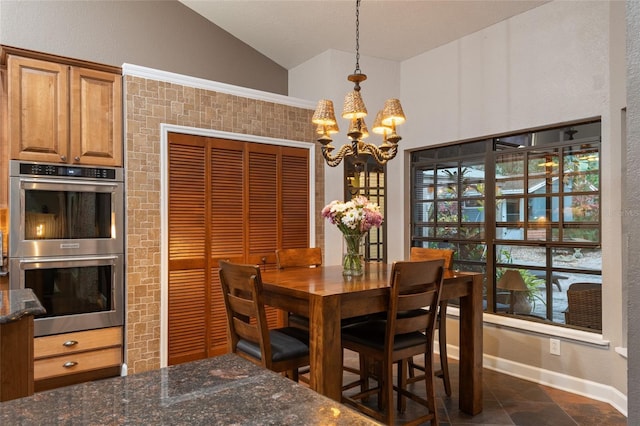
69	364
70	343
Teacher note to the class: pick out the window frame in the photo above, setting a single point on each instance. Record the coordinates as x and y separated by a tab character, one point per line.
555	193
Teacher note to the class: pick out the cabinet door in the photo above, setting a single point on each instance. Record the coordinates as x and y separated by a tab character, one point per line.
4	150
96	117
226	201
39	121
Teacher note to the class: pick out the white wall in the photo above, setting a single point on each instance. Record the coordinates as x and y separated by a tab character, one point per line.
632	197
550	65
556	63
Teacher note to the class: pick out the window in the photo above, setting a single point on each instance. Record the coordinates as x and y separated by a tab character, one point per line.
366	177
529	202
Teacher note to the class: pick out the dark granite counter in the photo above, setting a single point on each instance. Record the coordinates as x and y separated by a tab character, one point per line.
15	304
224	390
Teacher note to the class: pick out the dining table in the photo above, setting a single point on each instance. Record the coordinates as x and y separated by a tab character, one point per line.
327	297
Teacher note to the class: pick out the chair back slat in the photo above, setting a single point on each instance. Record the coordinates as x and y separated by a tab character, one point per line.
242	306
299	257
412	323
246	330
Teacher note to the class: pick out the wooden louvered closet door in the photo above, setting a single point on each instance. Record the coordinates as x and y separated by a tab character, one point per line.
227	200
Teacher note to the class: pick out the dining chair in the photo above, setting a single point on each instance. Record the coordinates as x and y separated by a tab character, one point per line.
307	258
426	253
284	349
298	258
414	287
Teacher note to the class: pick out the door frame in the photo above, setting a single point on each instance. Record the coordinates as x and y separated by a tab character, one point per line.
165	129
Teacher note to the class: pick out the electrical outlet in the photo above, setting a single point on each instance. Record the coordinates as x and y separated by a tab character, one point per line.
554	346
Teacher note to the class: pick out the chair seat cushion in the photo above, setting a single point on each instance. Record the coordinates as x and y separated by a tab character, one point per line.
372	334
286	343
303	322
299	321
382	316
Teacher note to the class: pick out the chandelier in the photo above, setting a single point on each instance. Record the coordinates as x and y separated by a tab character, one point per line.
355	111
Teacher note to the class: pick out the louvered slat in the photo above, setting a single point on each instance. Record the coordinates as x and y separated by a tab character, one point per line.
186	201
186	316
226	200
218	327
263	201
295	199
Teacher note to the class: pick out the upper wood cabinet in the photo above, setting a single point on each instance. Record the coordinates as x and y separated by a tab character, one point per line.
63	111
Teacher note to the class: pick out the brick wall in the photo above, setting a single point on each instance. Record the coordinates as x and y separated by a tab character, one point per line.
148	104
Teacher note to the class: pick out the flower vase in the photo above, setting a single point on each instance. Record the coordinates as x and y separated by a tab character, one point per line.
353	259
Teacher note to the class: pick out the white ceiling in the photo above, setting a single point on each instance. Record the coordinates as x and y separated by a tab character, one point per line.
291	32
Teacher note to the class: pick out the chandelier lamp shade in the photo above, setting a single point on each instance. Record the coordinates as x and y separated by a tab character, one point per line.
355	111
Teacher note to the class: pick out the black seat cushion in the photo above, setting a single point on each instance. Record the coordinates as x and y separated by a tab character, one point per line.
401	314
286	343
303	322
372	334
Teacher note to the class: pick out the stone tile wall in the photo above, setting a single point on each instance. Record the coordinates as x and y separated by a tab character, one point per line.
148	104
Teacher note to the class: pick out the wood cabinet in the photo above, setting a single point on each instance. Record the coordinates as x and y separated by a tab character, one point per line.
72	353
62	110
4	150
16	358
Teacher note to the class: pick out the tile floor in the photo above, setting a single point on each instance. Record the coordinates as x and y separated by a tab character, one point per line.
512	401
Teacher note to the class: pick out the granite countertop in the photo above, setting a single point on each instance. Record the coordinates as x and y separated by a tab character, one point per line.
224	390
14	304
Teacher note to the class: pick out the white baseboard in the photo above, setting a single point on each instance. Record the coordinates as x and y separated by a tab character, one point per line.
552	379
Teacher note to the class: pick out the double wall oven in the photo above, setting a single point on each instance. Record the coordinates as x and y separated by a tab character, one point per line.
66	243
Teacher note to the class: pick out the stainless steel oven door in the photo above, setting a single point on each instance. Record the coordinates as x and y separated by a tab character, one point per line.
79	293
61	217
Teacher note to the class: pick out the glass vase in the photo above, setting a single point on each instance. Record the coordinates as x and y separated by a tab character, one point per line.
352	258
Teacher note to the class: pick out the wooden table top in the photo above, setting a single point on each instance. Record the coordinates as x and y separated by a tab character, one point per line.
328	280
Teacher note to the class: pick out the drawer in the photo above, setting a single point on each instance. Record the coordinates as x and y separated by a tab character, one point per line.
69	343
76	363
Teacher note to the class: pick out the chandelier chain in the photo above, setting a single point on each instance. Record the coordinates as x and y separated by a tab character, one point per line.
357	70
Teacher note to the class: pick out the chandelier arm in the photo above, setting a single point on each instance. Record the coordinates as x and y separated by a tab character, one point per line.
334	160
380	156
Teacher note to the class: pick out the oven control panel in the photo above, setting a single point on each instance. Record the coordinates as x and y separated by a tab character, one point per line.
55	170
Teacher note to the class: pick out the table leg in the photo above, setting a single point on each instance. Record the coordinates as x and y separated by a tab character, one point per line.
471	349
325	346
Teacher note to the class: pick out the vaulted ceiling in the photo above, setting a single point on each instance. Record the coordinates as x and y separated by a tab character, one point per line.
291	32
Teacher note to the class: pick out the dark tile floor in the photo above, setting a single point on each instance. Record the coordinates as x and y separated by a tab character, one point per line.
511	401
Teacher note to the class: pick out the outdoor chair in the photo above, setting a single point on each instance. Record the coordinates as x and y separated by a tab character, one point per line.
584	305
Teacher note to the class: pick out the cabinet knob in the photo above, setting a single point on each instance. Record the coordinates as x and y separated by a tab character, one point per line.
69	364
70	343
76	158
63	157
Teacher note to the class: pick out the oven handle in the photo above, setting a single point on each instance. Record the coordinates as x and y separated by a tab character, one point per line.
58	259
70	182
